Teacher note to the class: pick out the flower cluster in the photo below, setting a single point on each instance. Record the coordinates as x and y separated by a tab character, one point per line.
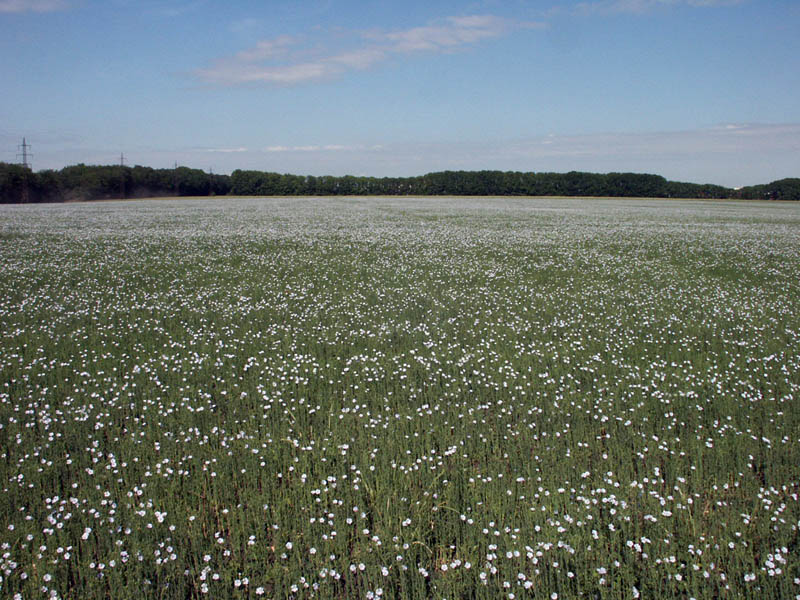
400	398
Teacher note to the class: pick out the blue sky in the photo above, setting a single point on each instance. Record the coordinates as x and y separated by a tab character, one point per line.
695	90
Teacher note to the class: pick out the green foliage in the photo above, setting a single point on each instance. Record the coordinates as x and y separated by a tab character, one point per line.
82	182
15	181
783	189
474	183
102	182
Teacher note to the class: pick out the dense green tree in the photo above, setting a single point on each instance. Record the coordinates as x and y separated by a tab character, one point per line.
83	182
782	189
13	182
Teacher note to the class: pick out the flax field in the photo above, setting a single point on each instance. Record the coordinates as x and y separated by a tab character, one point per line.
400	398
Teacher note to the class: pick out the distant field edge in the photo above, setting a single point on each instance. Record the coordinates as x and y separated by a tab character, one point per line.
235	197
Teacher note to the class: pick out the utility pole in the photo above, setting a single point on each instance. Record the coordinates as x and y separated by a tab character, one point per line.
122	174
24	153
26	165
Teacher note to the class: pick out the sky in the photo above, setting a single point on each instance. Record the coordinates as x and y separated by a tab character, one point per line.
706	91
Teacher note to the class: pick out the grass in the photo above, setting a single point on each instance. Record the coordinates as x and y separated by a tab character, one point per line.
400	398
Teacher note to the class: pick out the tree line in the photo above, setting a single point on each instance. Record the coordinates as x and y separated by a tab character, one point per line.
91	182
85	182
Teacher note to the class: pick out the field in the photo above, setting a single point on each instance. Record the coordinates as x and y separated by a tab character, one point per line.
400	398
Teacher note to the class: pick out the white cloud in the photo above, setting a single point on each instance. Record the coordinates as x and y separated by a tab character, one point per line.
226	150
238	73
358	59
453	32
38	6
313	148
282	61
644	6
266	49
